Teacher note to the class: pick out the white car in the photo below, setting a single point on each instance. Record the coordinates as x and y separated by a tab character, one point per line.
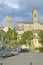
14	52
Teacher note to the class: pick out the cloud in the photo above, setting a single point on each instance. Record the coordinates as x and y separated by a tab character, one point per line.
20	10
12	3
6	10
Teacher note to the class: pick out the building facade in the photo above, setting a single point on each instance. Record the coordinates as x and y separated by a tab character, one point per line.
8	24
35	26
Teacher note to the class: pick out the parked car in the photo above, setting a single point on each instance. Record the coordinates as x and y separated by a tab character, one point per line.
24	48
5	53
9	52
16	51
19	50
1	52
13	52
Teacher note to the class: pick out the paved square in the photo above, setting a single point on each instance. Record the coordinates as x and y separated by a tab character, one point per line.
24	59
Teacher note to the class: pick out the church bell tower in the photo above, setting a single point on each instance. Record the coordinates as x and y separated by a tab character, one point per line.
34	15
9	22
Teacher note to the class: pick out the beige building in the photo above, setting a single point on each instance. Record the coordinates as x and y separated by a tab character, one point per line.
8	24
35	26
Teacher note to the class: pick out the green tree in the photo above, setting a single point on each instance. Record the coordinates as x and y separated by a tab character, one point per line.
0	35
21	41
10	36
26	36
14	34
41	37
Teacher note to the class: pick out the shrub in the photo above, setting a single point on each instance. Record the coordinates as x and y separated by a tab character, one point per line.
40	49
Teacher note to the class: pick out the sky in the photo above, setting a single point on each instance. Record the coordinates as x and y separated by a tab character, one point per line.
19	10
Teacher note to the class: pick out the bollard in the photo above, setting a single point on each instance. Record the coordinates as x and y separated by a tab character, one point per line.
30	63
1	63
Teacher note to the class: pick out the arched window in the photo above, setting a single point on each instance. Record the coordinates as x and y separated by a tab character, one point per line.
35	15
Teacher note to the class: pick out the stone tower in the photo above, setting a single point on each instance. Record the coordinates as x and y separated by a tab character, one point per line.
9	22
34	15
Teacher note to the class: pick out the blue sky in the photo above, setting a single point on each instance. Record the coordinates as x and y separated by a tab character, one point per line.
20	10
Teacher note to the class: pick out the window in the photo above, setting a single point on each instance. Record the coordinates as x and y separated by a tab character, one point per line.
35	15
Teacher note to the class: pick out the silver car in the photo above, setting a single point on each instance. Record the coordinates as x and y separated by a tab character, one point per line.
14	52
